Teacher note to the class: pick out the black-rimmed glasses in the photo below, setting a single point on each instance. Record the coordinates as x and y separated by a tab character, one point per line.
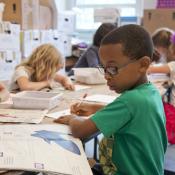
113	70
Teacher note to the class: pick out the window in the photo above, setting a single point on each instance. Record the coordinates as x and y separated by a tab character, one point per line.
95	2
85	12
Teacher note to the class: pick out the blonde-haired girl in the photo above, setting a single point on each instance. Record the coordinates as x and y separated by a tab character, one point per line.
40	70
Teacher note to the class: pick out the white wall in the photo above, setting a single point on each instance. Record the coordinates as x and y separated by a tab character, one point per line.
61	5
150	4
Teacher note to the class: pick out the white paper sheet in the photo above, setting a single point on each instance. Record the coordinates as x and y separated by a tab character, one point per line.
58	114
101	98
21	116
43	148
78	87
81	87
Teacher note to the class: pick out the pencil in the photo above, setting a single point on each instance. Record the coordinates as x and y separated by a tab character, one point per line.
84	96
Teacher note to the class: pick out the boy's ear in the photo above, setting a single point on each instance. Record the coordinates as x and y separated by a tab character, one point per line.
144	63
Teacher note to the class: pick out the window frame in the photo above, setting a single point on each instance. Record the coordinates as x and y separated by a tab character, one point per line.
138	7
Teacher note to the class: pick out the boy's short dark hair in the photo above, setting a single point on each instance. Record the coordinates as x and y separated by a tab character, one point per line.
103	29
135	40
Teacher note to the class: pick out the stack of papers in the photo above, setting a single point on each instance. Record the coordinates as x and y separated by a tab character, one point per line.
42	148
21	116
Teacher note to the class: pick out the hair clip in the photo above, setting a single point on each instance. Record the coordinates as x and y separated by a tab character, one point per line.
173	38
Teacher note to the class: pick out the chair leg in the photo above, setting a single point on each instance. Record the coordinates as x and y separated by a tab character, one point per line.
169	173
95	148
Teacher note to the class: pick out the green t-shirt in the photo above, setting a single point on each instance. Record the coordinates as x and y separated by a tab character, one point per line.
137	121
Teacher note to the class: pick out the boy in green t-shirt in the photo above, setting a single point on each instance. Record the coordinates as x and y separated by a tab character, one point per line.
135	119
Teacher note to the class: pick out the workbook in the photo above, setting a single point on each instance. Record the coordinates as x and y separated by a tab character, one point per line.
42	148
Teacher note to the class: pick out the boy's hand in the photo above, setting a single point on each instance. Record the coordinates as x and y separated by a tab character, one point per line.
64	119
83	109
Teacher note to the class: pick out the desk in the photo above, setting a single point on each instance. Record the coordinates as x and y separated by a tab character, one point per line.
70	97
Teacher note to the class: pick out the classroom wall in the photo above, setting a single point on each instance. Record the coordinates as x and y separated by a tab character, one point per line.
67	4
61	5
147	4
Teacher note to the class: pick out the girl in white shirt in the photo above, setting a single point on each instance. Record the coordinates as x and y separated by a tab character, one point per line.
40	70
164	42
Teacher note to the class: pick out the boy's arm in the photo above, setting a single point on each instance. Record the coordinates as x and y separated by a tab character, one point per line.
25	84
85	108
80	127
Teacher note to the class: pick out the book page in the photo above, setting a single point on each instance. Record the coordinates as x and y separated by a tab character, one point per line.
42	148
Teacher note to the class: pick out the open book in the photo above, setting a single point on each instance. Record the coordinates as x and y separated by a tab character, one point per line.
42	148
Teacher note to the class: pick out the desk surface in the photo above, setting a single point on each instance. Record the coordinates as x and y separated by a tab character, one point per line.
70	97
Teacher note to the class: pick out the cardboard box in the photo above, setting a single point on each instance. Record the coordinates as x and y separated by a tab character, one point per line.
9	42
30	40
24	12
156	18
9	28
66	22
46	17
8	61
67	46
